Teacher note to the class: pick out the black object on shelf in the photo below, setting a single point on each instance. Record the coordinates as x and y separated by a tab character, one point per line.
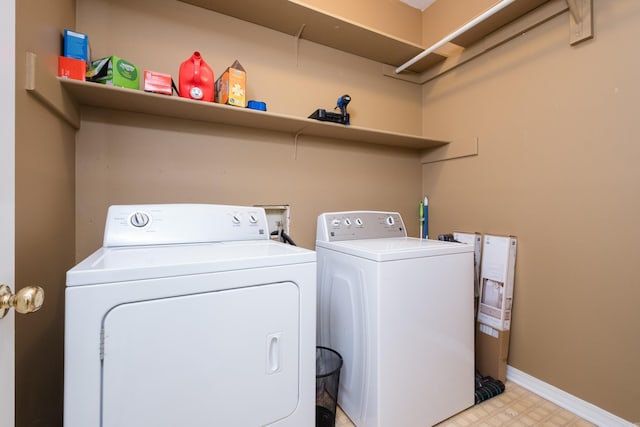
327	116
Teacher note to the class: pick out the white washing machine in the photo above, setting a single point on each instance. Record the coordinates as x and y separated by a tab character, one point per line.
400	312
189	315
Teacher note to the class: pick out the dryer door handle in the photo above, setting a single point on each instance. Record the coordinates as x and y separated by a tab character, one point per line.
273	352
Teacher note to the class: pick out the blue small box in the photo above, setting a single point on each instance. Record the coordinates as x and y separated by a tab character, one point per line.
76	45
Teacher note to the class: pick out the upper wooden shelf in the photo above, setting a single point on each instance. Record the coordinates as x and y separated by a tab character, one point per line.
98	95
299	20
295	19
64	96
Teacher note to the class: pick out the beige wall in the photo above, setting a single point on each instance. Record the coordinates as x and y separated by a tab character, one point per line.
558	168
292	78
139	159
45	218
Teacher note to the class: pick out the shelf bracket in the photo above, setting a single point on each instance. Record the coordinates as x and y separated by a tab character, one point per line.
295	143
580	20
45	87
297	41
454	150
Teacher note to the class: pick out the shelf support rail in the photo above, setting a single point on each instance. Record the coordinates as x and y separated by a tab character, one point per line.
297	40
475	21
40	83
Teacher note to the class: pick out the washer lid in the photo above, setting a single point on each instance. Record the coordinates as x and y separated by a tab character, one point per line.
397	248
117	264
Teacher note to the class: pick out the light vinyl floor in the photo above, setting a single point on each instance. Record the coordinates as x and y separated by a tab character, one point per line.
515	407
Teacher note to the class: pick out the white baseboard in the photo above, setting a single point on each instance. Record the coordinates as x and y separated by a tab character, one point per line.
565	400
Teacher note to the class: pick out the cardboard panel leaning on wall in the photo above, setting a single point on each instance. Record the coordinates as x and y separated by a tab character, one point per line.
495	305
557	167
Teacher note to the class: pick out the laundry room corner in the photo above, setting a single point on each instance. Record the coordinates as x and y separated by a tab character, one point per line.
558	175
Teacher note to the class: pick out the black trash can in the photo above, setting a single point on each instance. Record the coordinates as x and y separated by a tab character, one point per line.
328	365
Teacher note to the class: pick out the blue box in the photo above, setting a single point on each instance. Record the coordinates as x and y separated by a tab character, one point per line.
76	45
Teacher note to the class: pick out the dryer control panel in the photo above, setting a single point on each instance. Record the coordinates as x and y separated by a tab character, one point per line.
356	225
134	225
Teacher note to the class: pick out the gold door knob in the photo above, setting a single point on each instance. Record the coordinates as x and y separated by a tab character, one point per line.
26	300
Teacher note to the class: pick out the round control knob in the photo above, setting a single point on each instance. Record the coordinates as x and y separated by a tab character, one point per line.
235	219
139	219
359	221
253	219
335	222
390	220
347	222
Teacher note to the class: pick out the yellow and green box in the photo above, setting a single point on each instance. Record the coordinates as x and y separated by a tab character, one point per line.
231	86
114	71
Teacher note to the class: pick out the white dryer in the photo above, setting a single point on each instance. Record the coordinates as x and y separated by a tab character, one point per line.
400	312
189	315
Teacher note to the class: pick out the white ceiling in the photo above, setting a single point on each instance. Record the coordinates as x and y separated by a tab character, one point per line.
419	4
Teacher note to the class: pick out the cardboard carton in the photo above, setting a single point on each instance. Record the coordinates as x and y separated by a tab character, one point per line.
475	240
231	86
496	281
70	68
157	82
75	45
114	71
492	351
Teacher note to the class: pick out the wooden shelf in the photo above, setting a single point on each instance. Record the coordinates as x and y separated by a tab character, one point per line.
300	20
115	98
66	97
294	19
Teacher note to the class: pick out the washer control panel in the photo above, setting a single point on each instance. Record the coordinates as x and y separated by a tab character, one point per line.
356	225
130	225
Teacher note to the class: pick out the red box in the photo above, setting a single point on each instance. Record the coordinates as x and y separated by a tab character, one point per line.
157	82
72	68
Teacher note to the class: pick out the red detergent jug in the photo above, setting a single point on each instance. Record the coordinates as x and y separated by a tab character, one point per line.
196	79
